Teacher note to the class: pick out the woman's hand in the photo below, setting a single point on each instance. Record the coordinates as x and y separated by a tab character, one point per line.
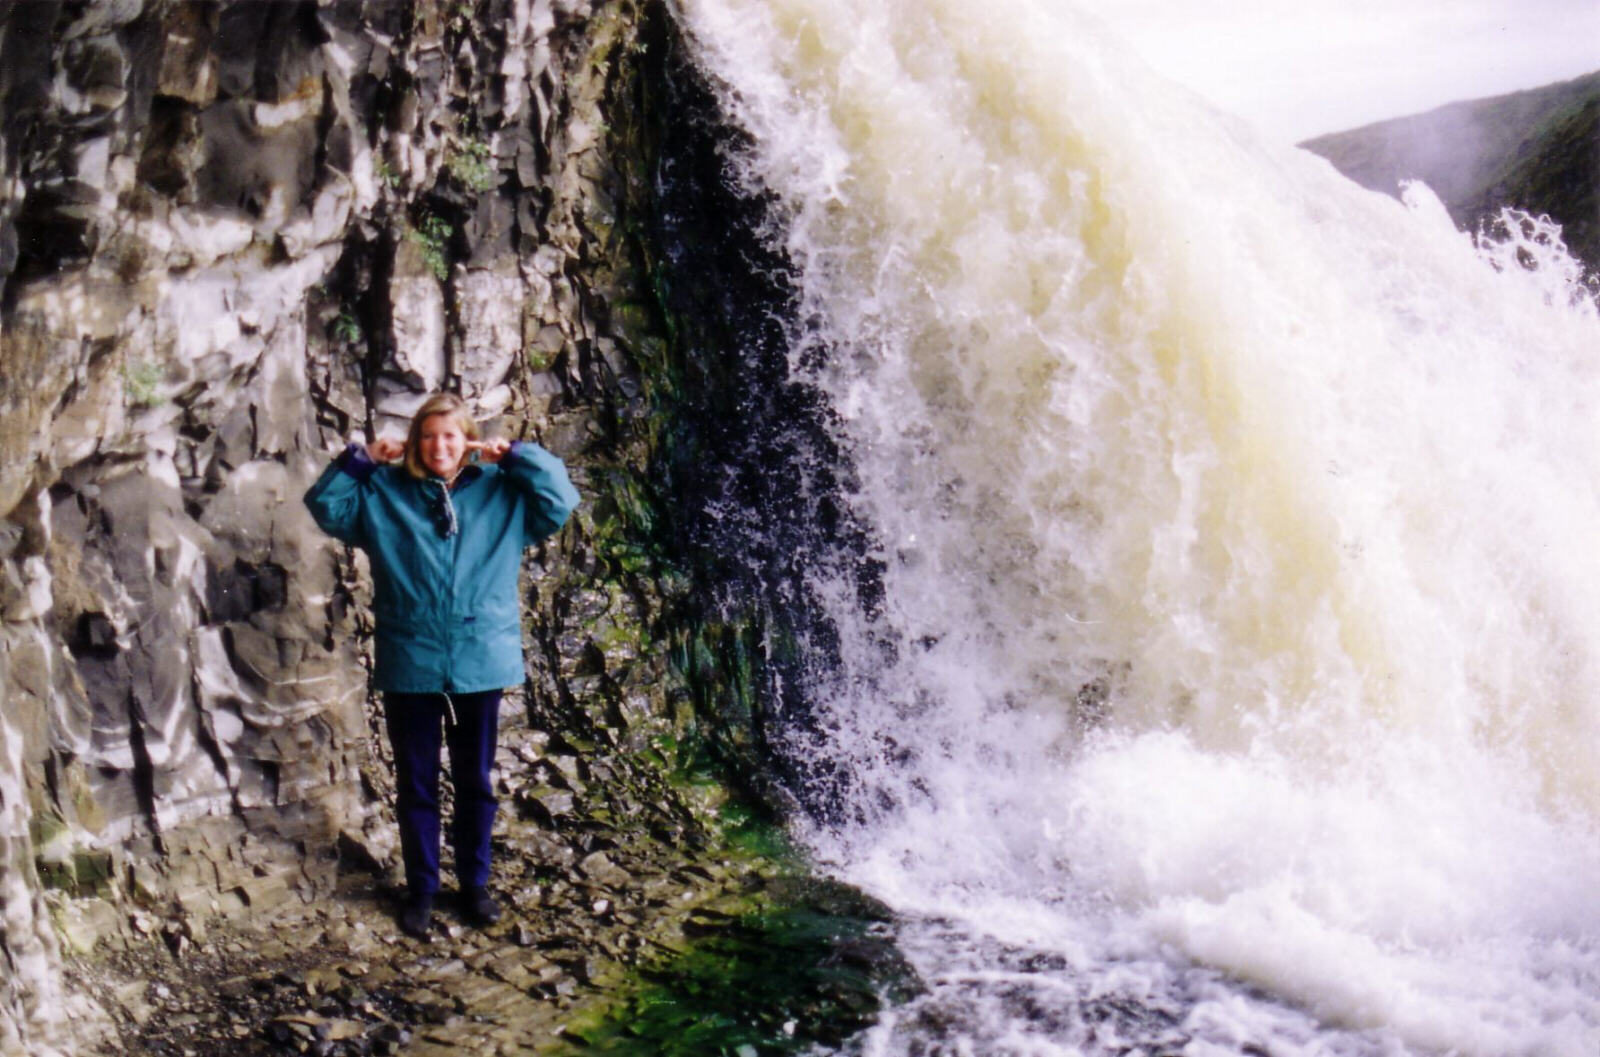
489	450
386	449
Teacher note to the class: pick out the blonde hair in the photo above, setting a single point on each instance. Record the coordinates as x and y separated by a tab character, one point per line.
437	404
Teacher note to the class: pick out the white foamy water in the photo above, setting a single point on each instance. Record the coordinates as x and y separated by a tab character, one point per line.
1242	545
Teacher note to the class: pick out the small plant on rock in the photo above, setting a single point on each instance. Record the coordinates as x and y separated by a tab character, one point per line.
539	360
346	328
141	380
432	235
468	161
386	173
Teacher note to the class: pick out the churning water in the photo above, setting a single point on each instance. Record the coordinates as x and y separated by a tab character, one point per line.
1236	682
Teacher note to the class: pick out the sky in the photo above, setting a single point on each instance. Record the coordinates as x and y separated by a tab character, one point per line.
1299	68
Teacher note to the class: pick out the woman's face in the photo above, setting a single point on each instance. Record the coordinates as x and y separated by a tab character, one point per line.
442	444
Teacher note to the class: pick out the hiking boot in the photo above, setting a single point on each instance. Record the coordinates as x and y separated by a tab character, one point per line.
416	914
478	908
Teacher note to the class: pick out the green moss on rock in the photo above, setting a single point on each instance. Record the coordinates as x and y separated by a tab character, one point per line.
799	963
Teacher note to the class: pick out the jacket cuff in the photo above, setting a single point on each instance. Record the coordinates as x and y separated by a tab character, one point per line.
355	461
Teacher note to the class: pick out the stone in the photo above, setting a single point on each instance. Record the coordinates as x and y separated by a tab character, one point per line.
188	64
25	590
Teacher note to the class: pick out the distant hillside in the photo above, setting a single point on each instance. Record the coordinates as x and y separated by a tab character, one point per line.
1537	150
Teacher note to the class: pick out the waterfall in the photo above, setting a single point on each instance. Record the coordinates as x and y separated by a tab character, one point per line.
1236	676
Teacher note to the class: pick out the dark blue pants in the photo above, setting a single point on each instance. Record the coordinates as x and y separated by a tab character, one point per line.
414	722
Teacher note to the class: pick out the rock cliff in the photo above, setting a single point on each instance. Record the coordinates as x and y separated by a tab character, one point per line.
1536	150
233	235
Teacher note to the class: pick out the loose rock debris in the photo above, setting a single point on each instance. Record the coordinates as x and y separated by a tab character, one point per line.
338	979
332	974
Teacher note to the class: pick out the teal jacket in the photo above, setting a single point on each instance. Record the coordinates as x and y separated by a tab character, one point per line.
444	566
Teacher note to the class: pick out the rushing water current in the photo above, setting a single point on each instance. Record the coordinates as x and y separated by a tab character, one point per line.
1235	683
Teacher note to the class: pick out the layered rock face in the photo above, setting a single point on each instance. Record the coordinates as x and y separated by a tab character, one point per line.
232	236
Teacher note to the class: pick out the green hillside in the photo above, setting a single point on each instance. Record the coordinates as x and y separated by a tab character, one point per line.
1538	150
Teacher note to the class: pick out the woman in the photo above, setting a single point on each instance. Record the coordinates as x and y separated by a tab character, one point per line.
445	530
